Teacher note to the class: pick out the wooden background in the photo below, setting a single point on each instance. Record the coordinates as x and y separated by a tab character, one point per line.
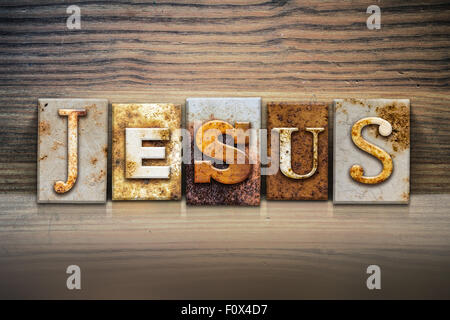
165	51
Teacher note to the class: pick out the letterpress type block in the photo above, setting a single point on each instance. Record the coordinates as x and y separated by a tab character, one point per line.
371	151
225	165
72	150
146	155
303	151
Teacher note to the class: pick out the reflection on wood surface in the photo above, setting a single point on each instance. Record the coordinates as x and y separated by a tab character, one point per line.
279	250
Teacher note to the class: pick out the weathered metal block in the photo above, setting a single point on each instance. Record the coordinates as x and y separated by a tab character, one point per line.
146	152
219	174
303	151
72	150
371	151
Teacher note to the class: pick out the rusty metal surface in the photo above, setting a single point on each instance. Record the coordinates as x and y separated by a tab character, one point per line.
234	112
305	165
371	151
72	149
385	129
207	140
285	136
146	116
72	155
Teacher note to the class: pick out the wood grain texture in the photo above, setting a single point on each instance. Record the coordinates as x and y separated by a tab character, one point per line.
165	51
281	250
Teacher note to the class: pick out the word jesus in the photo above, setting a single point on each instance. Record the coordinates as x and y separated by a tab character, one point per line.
224	151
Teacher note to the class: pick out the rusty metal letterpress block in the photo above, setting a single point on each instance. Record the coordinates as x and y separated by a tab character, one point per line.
146	152
225	165
72	150
303	151
371	151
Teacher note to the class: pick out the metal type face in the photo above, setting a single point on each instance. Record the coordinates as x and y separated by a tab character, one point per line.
385	129
207	140
135	153
223	172
146	155
72	150
303	151
371	151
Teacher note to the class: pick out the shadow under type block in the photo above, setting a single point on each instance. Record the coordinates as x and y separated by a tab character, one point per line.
302	162
225	164
146	152
371	151
72	150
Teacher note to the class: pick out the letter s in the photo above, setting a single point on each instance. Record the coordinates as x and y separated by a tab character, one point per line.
207	142
385	129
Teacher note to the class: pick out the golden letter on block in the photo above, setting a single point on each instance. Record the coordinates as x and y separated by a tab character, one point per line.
285	152
237	160
385	129
146	151
72	149
135	153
